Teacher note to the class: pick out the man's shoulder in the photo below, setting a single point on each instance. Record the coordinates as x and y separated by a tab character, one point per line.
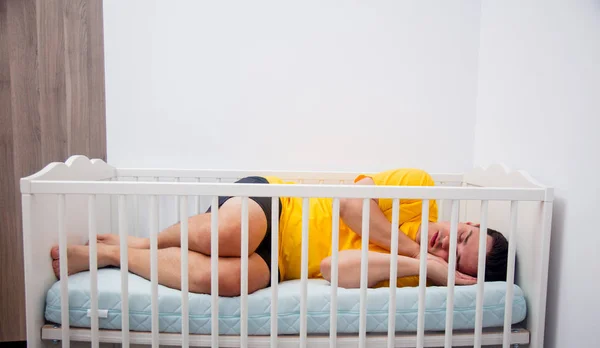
402	176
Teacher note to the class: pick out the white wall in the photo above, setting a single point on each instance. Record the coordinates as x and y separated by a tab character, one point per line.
537	109
280	85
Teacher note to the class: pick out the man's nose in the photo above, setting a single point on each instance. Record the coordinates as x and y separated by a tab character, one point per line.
446	243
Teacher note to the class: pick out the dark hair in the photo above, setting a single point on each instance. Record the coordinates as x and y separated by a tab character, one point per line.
496	260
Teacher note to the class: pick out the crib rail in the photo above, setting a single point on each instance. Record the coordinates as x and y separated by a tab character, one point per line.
339	177
493	337
275	190
186	192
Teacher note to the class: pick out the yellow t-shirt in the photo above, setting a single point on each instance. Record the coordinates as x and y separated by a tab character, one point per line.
320	225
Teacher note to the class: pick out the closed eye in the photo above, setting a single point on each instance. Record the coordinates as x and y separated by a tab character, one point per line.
468	236
464	241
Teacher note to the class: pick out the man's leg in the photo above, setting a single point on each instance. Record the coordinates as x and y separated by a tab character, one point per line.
199	228
169	267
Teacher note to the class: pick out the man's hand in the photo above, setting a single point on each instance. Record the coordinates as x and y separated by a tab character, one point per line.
437	272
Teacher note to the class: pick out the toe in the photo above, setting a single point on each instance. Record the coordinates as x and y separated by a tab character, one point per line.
101	238
56	268
54	252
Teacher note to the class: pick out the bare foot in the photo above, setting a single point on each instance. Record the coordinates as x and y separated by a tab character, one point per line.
78	257
132	242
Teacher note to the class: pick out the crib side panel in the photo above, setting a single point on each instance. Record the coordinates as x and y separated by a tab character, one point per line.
40	230
43	235
75	168
530	237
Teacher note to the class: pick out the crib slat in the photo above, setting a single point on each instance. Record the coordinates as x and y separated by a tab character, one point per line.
335	241
510	273
481	273
451	273
304	273
423	272
364	273
64	284
393	273
274	267
154	267
124	264
92	237
198	201
176	204
136	208
214	271
244	276
185	324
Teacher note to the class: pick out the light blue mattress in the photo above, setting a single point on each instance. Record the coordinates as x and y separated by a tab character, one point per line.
109	296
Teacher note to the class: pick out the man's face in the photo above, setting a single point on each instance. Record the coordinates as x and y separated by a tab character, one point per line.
467	247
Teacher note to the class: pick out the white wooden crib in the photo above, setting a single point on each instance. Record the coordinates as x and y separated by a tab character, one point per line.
70	202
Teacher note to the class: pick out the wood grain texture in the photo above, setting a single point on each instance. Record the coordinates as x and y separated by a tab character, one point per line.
52	106
76	67
22	35
8	204
97	94
22	42
51	65
5	104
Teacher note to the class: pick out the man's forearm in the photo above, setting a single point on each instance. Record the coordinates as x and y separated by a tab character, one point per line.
380	228
378	268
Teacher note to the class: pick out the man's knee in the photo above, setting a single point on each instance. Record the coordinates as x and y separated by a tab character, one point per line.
228	277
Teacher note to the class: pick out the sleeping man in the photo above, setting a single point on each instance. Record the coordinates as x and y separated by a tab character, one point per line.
319	248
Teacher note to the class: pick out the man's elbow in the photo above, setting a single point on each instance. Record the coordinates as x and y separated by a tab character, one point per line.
344	206
326	268
349	207
348	263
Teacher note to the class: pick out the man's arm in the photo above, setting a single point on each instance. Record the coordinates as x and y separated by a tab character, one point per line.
379	227
379	269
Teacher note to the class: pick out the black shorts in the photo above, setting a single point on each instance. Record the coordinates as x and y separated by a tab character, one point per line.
264	248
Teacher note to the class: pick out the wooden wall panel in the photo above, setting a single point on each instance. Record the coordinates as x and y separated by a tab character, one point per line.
51	107
22	41
76	67
8	203
51	67
97	96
